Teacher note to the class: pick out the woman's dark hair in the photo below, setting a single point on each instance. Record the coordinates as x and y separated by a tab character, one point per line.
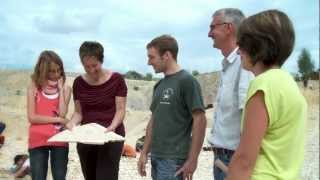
91	48
268	37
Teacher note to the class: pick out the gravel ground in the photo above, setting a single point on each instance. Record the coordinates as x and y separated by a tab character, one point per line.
13	113
128	167
311	163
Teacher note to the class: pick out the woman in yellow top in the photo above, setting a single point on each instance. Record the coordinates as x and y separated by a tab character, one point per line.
272	139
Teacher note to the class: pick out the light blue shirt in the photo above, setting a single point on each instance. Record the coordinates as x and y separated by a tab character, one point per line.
232	91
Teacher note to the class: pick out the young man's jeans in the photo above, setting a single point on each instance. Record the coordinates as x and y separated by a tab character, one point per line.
165	169
225	158
39	162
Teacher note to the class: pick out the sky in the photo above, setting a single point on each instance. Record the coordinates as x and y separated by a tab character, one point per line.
125	27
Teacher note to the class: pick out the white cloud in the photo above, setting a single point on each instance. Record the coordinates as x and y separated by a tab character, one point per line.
124	27
68	22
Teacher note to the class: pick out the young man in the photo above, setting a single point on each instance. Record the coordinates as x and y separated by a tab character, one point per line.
177	112
234	82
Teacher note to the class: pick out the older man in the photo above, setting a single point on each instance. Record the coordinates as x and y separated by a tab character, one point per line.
234	82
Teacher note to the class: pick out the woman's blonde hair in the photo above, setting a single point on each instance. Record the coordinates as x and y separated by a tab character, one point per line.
41	70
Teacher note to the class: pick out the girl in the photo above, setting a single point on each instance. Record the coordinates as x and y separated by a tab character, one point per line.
47	105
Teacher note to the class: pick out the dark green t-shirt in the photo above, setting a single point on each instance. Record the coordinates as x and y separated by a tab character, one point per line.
174	99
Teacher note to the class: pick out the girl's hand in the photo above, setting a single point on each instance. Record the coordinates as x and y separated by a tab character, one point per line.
63	120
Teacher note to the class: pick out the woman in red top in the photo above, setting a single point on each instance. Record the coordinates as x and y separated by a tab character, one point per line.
47	105
100	97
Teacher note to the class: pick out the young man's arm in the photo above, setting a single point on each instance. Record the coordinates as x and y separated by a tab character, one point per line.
198	134
143	159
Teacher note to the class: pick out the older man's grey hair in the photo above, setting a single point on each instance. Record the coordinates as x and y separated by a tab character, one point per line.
230	15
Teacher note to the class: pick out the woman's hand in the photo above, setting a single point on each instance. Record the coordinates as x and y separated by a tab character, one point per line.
70	125
110	128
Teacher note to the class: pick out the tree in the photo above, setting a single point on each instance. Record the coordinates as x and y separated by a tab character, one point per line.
148	77
133	75
305	65
195	73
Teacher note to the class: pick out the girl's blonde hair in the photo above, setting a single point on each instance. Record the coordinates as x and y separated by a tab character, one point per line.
41	70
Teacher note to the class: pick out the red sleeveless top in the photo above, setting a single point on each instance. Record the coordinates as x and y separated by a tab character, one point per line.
46	105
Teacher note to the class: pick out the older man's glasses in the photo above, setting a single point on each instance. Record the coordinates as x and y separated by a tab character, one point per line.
218	24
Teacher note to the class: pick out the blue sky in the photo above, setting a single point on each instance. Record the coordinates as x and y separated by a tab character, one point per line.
125	27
